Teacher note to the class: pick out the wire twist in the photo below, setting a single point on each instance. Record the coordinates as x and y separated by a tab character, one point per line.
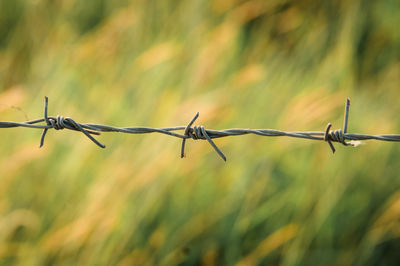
196	132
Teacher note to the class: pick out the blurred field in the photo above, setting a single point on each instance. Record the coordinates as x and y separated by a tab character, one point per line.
260	64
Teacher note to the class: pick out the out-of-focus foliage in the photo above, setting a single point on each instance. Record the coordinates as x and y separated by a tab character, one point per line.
258	64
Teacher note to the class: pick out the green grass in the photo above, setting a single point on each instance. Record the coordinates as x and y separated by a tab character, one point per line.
260	64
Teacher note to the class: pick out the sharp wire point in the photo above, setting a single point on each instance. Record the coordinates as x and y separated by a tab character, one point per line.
346	115
220	153
186	134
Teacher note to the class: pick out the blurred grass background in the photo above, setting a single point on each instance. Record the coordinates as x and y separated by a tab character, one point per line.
261	64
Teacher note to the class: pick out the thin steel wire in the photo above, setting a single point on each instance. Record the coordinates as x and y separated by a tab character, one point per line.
197	132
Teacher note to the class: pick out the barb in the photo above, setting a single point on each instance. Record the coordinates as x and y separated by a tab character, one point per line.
196	132
338	135
60	122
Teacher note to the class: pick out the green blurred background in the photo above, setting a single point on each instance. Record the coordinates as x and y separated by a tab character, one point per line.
260	64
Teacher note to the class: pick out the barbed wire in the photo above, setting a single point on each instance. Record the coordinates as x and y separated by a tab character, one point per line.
197	132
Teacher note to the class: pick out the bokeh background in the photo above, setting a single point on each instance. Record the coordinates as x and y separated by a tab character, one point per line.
286	64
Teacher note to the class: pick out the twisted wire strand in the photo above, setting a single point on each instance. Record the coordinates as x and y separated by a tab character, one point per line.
196	132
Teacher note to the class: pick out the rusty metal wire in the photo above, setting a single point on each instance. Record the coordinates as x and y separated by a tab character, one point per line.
197	132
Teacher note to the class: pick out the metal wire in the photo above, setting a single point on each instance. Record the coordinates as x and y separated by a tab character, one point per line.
196	132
